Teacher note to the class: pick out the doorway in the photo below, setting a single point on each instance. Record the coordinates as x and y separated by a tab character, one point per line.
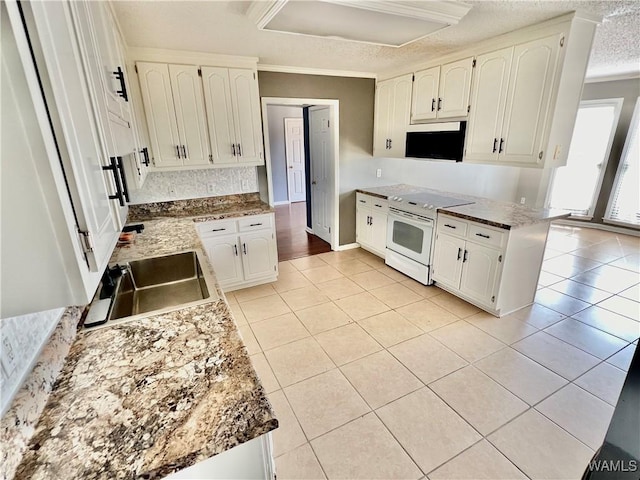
284	173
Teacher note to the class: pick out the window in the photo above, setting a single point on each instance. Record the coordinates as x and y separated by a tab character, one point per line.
576	186
624	202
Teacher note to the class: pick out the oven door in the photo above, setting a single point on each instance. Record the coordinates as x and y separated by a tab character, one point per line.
410	235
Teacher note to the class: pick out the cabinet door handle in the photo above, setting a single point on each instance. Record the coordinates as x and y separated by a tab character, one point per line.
459	253
178	150
450	226
390	143
439	104
235	250
500	150
114	169
482	235
119	74
233	149
145	154
433	104
244	248
218	229
464	258
255	224
386	145
184	151
125	189
239	151
495	145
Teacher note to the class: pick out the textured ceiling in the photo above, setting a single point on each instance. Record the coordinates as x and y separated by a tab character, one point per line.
222	27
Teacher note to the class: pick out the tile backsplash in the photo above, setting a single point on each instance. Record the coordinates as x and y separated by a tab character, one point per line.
186	184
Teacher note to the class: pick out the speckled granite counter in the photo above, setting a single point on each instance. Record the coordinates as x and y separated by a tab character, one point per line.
505	215
149	397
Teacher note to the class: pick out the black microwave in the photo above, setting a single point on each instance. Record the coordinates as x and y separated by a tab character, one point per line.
440	141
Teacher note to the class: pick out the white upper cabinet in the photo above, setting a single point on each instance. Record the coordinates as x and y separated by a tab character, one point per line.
155	86
442	91
174	107
526	116
489	93
511	101
233	116
424	102
189	109
392	111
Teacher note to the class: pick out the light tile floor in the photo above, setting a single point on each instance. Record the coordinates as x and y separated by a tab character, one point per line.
373	375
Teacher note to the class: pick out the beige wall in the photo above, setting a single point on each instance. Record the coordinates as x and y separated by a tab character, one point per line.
356	96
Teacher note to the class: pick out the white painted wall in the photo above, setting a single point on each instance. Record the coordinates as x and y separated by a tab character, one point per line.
185	184
276	115
494	182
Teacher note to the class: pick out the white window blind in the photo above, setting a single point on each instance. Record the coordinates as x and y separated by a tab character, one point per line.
624	202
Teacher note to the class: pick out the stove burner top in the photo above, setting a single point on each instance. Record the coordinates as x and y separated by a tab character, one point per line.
425	202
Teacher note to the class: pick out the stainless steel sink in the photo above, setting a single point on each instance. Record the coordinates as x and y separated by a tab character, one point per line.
159	284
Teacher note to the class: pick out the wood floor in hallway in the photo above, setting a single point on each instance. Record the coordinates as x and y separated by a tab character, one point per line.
293	239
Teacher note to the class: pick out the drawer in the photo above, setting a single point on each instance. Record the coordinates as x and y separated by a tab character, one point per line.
363	200
255	222
379	205
452	226
215	228
487	236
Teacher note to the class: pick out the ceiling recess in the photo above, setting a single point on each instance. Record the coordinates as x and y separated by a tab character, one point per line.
388	23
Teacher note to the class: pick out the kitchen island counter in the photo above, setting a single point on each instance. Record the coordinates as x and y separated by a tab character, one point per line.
148	397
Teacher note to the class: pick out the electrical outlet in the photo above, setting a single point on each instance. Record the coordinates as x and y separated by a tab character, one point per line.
211	188
523	200
379	172
8	356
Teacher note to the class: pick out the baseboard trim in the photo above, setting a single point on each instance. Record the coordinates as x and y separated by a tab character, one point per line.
348	246
598	226
309	230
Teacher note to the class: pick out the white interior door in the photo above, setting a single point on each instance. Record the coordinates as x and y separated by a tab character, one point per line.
294	153
321	148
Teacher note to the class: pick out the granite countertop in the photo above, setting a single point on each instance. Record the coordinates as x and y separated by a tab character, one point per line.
506	215
149	397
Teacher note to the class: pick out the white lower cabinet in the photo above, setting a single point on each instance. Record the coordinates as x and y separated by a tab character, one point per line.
494	268
371	223
243	251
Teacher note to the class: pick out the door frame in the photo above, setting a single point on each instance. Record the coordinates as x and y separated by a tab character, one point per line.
334	119
288	120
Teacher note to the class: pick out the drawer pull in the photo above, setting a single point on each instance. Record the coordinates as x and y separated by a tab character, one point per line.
379	206
362	201
450	226
482	235
218	229
255	224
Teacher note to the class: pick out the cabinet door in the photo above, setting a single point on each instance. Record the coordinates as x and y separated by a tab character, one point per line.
532	76
447	260
155	86
401	103
488	97
363	230
258	254
217	97
480	273
188	102
224	254
378	229
425	94
454	88
384	92
246	115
